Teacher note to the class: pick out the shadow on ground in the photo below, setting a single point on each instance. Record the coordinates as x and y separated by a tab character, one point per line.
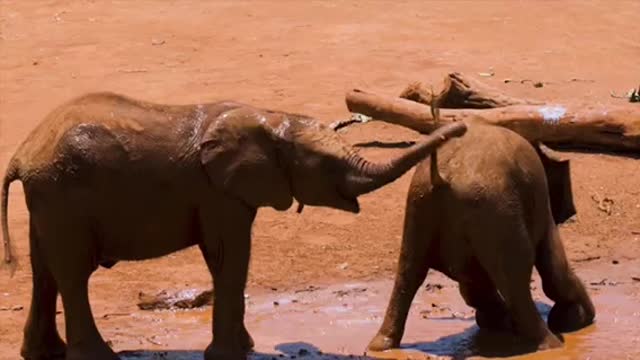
476	342
295	350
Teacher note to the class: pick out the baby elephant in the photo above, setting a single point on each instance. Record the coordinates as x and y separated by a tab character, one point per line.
484	212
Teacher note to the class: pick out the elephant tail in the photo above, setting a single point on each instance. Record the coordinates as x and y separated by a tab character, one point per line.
12	174
436	179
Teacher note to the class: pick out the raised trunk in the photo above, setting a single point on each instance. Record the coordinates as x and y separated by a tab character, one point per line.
368	176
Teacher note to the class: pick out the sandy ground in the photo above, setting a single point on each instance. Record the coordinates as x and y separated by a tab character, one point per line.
303	57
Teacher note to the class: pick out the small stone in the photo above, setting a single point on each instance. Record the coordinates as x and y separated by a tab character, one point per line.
433	287
303	352
615	262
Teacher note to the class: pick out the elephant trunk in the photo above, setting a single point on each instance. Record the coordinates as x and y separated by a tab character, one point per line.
367	176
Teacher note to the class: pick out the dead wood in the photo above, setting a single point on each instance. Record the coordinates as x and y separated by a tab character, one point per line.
462	92
186	299
613	128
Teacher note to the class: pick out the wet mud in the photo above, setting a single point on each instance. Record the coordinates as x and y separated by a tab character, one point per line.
337	321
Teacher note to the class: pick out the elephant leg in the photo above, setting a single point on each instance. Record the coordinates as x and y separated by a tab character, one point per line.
227	256
412	269
41	338
510	270
491	310
573	308
68	252
245	340
527	321
84	340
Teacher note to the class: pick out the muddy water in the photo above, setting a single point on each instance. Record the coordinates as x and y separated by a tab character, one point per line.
336	322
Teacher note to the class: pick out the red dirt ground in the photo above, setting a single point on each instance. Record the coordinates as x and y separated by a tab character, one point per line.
303	57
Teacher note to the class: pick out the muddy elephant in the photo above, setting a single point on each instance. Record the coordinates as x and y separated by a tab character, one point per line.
483	211
108	178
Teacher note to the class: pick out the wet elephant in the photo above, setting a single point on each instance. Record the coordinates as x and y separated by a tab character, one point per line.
484	213
108	178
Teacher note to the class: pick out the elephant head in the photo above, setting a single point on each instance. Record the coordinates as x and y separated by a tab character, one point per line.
559	183
268	158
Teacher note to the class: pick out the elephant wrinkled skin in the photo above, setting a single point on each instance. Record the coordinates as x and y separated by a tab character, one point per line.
110	178
484	213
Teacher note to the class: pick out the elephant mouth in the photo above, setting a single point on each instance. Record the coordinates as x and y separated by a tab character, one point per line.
340	202
349	203
354	206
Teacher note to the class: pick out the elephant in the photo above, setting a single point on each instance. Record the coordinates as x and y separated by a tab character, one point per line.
110	178
483	210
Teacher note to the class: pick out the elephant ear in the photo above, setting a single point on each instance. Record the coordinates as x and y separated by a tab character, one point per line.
559	183
241	158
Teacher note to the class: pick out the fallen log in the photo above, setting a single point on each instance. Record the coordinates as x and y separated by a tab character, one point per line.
612	128
462	92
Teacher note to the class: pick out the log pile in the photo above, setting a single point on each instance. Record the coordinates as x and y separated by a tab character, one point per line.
584	126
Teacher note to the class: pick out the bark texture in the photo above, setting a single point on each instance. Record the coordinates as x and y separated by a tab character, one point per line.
463	92
591	126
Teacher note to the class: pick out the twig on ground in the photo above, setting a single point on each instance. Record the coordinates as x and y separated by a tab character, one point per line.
12	308
632	95
106	316
150	339
354	119
589	258
130	71
605	204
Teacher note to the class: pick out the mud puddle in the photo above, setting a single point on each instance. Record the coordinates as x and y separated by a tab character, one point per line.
336	322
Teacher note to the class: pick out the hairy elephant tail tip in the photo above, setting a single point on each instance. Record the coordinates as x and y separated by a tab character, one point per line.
10	265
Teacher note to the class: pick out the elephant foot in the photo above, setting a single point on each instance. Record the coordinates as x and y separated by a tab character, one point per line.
238	349
570	317
382	342
549	342
97	351
49	349
214	352
494	320
245	341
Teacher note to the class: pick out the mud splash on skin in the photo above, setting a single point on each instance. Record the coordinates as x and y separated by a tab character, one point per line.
336	322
